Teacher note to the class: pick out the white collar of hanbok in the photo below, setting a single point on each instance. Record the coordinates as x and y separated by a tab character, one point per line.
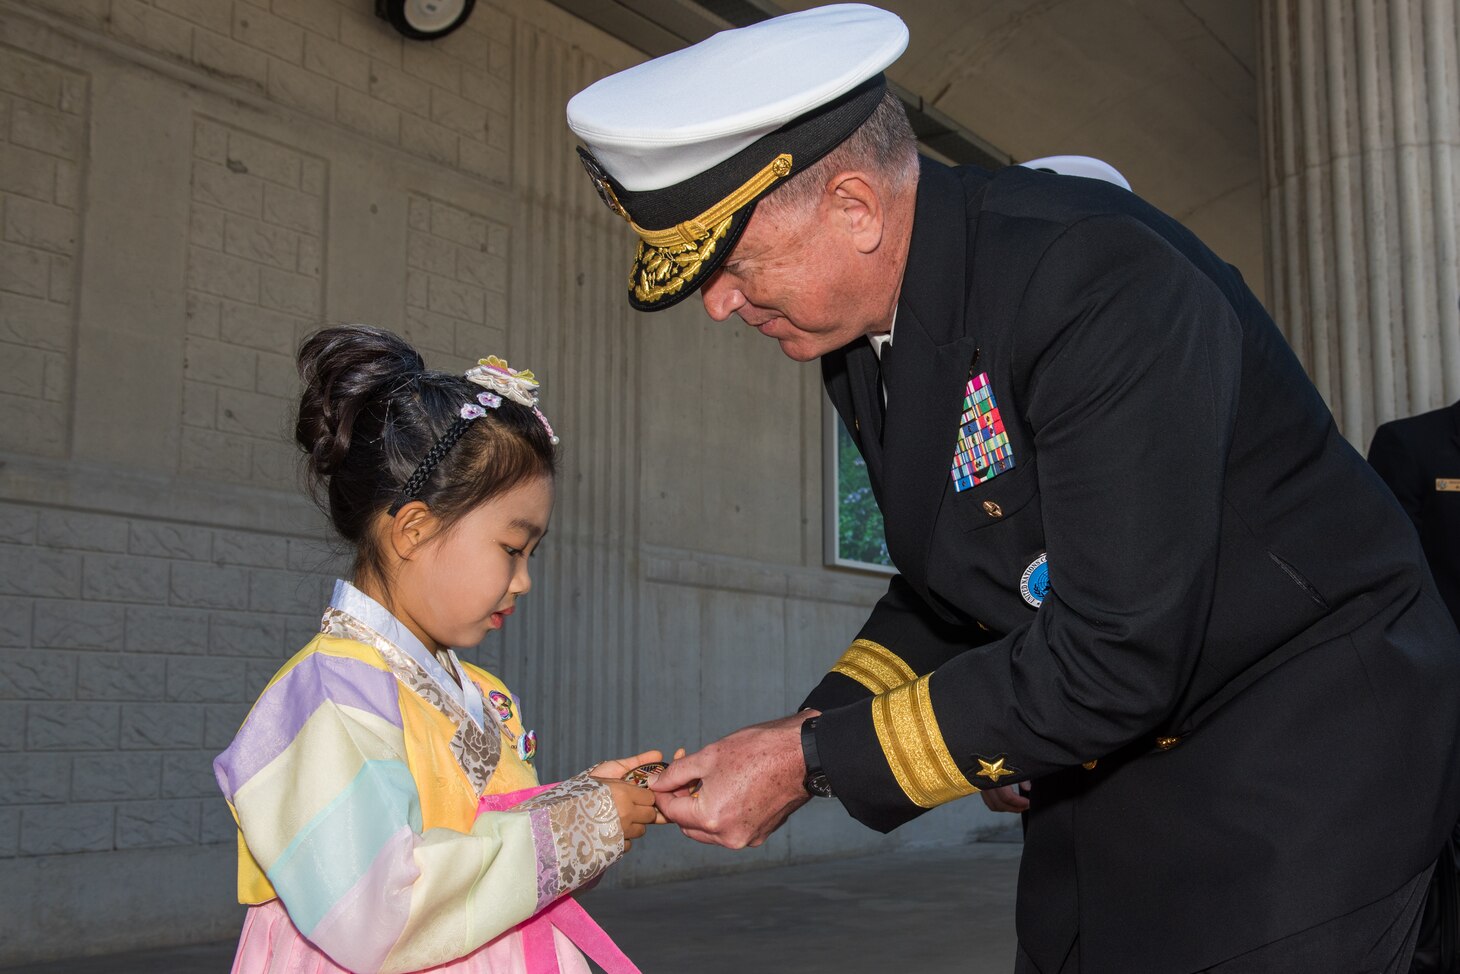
462	690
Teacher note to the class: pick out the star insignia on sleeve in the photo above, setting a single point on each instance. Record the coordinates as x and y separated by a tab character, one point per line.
993	770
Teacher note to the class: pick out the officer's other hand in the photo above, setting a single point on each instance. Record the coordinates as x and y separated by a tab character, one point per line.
1006	799
737	791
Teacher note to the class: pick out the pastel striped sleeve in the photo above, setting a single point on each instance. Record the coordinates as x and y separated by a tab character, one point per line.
326	804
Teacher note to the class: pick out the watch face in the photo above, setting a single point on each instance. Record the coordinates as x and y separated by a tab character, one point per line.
818	786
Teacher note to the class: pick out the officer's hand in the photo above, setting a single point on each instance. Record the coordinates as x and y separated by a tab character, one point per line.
740	789
1006	799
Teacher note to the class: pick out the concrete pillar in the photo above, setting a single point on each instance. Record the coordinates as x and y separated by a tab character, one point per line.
1361	144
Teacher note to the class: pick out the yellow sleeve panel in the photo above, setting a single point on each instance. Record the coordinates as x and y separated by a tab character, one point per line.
913	745
874	666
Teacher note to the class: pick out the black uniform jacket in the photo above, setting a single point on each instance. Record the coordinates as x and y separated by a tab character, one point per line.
1239	694
1419	458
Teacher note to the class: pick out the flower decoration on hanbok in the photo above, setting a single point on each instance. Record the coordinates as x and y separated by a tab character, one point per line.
502	702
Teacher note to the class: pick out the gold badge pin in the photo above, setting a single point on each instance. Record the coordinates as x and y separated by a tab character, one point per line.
1447	483
993	770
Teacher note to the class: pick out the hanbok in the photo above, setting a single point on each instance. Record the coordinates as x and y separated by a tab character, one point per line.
390	819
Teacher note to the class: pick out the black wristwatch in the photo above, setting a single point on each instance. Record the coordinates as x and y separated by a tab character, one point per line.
815	781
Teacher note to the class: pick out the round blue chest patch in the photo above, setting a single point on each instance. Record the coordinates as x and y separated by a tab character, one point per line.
1034	585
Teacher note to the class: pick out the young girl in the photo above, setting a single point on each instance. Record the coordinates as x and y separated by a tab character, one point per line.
389	817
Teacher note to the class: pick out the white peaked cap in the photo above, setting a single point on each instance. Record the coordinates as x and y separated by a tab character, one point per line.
1087	166
666	120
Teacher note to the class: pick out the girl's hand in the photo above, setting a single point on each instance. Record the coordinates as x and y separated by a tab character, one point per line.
613	772
635	806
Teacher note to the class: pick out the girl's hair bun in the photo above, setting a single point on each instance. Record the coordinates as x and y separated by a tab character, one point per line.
345	371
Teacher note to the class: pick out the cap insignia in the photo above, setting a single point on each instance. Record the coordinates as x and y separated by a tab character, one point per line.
601	183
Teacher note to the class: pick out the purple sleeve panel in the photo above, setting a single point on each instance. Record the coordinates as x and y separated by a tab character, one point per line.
285	707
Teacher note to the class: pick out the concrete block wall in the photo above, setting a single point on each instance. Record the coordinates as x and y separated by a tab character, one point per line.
42	141
187	187
132	650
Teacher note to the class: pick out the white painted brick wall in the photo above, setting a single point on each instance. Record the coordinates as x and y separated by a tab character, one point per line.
253	276
26	778
164	725
67	828
72	624
116	777
124	578
456	282
132	646
142	825
119	677
42	132
132	649
12	727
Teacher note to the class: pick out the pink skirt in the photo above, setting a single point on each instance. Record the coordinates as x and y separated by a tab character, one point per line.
271	944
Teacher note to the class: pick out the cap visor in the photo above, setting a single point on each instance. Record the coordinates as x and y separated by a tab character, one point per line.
661	277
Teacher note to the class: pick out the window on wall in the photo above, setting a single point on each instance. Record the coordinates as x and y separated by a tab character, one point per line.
853	530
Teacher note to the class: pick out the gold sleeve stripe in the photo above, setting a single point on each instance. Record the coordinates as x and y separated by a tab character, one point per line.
874	666
913	745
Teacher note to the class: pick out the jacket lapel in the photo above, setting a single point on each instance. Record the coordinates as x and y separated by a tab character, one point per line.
924	402
852	381
933	347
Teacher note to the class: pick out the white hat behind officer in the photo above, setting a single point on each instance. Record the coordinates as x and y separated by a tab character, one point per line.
1087	166
684	145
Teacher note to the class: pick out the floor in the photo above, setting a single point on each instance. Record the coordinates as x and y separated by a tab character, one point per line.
923	912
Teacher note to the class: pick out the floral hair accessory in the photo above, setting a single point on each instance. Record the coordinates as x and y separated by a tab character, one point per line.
519	385
495	375
499	380
471	410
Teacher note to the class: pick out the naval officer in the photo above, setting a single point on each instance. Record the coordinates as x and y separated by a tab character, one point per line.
1419	458
1138	564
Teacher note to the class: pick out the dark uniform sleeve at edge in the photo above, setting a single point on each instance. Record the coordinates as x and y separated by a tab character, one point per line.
834	690
901	641
851	756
